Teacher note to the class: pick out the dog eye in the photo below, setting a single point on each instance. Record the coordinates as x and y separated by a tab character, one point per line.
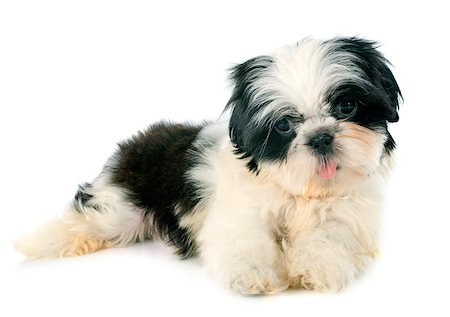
347	108
283	125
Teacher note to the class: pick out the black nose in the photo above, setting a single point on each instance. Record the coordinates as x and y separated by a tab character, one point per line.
321	143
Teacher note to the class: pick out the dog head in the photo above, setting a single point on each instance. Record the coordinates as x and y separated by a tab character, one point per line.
314	116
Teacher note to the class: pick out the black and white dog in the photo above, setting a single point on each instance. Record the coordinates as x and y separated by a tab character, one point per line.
286	193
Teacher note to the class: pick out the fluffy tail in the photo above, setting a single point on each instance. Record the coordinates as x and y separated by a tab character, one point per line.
100	218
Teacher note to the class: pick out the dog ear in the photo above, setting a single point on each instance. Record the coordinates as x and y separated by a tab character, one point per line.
243	103
376	67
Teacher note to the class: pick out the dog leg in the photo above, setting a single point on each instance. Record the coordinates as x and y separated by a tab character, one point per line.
237	247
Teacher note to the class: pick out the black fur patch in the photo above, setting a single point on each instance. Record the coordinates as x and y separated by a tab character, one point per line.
152	166
378	96
82	197
257	142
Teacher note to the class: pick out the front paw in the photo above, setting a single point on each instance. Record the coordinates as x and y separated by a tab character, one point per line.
321	272
320	281
256	281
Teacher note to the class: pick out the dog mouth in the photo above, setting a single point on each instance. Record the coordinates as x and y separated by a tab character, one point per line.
328	169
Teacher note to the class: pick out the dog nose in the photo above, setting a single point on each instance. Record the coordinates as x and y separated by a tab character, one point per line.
321	143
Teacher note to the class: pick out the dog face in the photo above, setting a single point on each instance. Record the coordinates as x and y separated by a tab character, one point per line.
313	116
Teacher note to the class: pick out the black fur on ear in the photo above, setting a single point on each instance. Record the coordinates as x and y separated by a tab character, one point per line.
376	67
242	103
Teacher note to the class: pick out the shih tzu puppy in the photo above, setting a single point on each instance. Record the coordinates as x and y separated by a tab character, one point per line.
286	193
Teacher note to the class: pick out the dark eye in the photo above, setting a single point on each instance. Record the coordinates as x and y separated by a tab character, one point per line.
347	108
283	125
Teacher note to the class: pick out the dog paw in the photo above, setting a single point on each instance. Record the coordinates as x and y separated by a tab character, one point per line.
321	277
80	246
321	267
257	281
317	283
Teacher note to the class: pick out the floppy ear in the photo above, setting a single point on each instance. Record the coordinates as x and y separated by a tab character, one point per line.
242	103
383	74
376	66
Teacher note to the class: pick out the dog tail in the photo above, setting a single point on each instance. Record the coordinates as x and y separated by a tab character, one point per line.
100	217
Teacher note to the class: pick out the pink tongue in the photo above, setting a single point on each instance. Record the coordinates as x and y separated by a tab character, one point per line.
328	170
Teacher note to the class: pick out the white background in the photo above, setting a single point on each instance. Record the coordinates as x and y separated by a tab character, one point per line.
78	76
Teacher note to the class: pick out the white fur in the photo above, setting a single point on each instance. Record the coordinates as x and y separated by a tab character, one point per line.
302	91
286	226
112	222
261	233
323	241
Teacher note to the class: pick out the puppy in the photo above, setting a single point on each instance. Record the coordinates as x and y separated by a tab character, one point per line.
285	193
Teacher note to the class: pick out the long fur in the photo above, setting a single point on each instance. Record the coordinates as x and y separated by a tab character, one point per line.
260	198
